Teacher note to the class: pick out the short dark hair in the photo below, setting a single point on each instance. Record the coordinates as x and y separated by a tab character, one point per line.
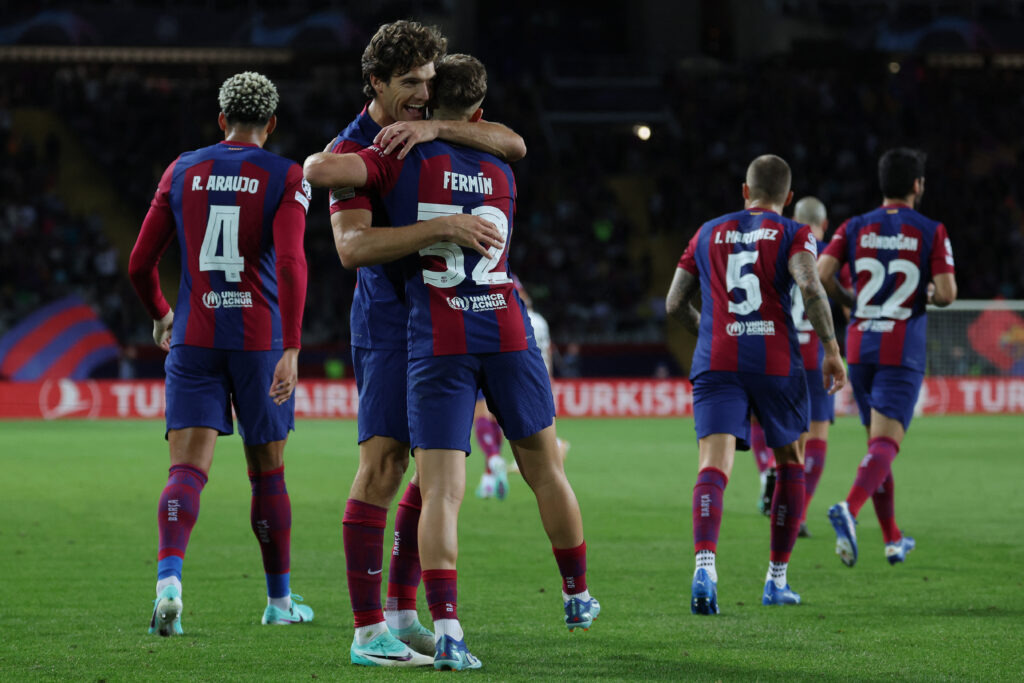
460	83
769	178
248	98
399	47
898	169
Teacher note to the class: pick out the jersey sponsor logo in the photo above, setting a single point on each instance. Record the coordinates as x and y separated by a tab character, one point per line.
876	325
737	237
227	299
480	302
227	183
900	242
65	398
458	182
753	328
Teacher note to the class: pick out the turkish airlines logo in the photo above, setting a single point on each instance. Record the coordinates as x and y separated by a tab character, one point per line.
66	398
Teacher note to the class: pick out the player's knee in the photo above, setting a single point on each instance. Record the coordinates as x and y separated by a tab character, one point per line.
790	454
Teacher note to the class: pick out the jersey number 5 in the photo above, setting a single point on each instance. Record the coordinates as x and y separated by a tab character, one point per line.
735	278
454	259
222	231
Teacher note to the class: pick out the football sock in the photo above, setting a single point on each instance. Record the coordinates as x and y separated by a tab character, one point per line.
572	564
441	587
176	516
365	634
448	627
787	510
404	574
488	435
763	456
873	470
814	465
169	581
363	538
584	596
777	573
707	508
706	560
270	514
885	509
495	463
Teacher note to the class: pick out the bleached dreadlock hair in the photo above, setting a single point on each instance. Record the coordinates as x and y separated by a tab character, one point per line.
248	98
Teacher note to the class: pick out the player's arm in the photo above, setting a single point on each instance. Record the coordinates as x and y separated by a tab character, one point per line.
944	291
828	269
360	244
804	269
290	265
326	169
487	136
678	304
155	236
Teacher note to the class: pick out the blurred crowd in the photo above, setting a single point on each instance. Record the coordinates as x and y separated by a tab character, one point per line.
582	248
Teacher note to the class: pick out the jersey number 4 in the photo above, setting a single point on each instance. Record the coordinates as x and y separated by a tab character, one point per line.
222	235
454	259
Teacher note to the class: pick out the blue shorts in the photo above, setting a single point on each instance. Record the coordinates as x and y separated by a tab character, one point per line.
722	402
202	385
823	405
443	391
890	389
381	376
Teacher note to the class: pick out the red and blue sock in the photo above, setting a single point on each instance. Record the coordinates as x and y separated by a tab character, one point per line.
270	514
363	538
707	508
572	564
763	456
787	510
488	435
176	516
814	465
404	574
885	510
441	587
873	470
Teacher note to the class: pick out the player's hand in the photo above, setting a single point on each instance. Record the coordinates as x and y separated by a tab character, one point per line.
473	232
162	331
833	371
286	376
930	290
404	135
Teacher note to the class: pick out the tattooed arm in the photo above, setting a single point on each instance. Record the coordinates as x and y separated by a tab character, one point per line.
684	286
804	269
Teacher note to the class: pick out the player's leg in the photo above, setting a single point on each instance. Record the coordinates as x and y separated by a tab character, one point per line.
494	480
721	413
765	461
783	408
383	434
518	388
198	409
264	426
404	574
815	442
441	394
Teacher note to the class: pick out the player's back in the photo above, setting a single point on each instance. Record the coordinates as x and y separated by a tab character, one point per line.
894	251
742	260
459	301
224	199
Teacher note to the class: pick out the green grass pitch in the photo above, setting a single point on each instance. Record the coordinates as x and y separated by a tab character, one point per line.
78	538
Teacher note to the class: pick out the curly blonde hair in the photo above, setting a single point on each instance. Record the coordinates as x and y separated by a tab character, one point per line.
248	97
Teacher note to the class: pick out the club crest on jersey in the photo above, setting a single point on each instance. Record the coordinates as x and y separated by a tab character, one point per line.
480	302
753	328
227	299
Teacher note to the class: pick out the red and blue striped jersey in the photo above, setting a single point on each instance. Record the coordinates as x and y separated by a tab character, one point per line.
893	252
379	315
459	301
239	212
746	322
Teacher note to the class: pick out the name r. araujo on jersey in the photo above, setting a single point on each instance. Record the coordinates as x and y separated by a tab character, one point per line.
227	183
